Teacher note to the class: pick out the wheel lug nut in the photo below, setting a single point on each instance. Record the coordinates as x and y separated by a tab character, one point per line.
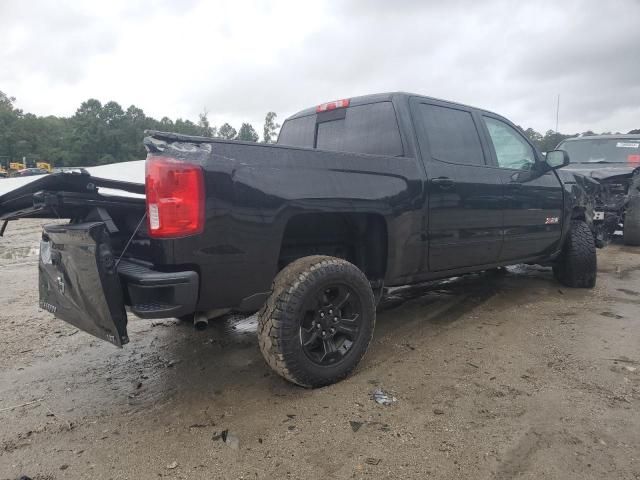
318	325
335	319
330	312
323	333
321	315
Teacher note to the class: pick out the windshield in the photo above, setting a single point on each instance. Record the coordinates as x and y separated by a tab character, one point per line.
603	150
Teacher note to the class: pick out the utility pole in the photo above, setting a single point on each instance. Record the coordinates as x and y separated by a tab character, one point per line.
557	112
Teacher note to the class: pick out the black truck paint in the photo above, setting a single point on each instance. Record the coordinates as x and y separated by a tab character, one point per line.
401	217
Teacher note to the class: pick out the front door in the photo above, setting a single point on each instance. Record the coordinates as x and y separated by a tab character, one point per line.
532	192
465	193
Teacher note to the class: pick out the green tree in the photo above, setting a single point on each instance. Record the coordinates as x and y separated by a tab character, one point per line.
88	134
6	102
227	132
535	137
551	139
99	133
206	129
270	129
186	127
247	133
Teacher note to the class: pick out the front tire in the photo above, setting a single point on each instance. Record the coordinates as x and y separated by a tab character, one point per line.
577	264
318	322
631	229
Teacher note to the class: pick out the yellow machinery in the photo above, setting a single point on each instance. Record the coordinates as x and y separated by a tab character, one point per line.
45	166
15	166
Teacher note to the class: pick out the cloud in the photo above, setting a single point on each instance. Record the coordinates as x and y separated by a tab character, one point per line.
240	59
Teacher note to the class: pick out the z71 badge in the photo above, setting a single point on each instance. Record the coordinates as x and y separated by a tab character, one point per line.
551	220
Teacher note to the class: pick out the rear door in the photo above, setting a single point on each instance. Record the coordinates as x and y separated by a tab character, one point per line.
465	193
533	195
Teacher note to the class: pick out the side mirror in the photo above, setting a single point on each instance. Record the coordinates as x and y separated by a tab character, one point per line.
557	159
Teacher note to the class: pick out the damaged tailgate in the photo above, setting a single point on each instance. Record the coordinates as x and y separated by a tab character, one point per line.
78	274
79	282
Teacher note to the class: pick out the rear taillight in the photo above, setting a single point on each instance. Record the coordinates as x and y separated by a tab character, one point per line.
325	107
175	198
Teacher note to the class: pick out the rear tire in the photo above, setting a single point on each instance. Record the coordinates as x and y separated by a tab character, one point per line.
577	264
318	322
631	229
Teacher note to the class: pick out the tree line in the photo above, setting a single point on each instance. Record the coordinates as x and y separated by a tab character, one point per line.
98	134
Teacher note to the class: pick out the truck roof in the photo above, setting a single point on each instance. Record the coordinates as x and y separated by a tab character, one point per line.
383	97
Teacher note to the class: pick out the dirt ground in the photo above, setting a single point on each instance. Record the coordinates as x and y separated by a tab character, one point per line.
496	375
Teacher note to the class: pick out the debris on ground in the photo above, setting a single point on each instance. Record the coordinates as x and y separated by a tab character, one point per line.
438	411
624	359
172	465
383	398
230	439
355	426
201	425
7	409
372	461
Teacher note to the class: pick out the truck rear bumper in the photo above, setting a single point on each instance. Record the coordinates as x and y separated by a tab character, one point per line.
82	282
153	294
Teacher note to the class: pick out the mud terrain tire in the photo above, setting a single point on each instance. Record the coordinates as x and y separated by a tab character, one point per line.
283	320
577	264
631	230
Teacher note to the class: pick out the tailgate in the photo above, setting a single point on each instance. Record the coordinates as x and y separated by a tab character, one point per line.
79	282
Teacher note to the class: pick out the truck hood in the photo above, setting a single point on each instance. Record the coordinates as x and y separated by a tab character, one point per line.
601	171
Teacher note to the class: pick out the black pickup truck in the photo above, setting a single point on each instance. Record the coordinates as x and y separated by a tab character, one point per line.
357	195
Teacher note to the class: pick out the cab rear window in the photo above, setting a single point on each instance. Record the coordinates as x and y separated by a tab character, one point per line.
371	128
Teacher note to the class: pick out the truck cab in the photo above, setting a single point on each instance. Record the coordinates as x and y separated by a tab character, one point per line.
489	196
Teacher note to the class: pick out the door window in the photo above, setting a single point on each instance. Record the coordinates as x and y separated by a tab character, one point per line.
512	150
451	135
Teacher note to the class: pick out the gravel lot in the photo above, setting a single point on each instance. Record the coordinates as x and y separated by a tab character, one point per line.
496	375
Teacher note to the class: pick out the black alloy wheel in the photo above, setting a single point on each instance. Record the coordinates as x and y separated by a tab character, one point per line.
331	324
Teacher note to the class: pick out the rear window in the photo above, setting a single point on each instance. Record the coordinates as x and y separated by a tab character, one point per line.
371	129
298	132
451	134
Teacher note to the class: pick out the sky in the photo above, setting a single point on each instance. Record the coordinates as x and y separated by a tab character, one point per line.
240	59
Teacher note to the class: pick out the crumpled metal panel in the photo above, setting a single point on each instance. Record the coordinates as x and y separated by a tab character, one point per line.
79	282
